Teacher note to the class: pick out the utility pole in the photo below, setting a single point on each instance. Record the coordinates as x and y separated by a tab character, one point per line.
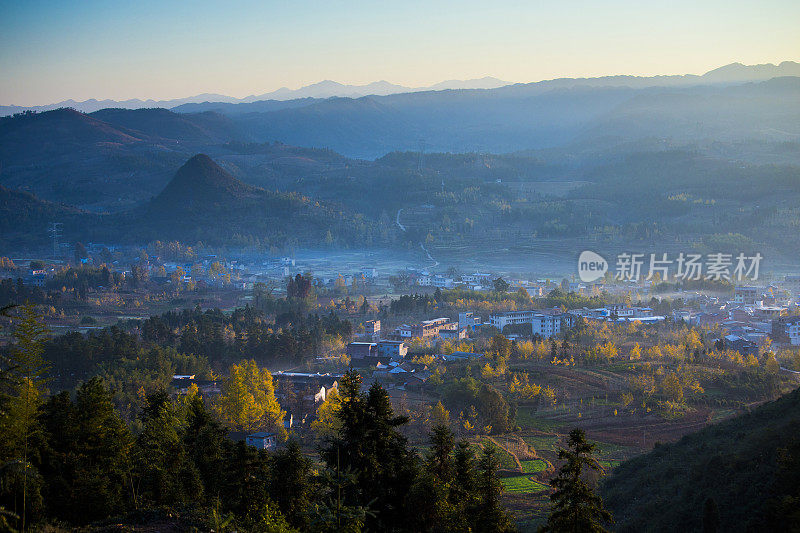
55	231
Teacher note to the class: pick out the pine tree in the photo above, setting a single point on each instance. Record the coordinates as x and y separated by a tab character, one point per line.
491	517
370	446
87	459
576	508
290	486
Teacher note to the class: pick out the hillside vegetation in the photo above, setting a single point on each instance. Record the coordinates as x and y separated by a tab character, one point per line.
749	466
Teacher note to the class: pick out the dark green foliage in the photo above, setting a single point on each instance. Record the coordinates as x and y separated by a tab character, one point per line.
290	485
490	515
748	465
576	508
370	446
710	516
164	475
86	460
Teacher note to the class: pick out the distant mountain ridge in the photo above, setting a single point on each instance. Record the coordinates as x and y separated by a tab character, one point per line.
322	89
732	73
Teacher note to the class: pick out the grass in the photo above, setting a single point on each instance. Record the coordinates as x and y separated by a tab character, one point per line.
527	419
522	485
534	466
608	465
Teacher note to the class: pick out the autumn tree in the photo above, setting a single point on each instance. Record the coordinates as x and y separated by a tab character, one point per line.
327	424
248	402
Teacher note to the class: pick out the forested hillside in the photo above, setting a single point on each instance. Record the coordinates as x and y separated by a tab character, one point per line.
742	474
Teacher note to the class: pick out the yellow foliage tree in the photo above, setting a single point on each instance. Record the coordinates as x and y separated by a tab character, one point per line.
327	423
247	402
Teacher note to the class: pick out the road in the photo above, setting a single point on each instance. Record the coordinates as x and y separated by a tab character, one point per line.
402	227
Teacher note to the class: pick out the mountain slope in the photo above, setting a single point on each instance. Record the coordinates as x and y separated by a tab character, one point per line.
201	183
205	203
109	160
736	462
162	124
24	218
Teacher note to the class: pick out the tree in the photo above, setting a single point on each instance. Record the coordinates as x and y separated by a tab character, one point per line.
327	423
248	402
576	508
501	285
165	474
87	460
290	487
298	287
440	416
20	397
711	519
369	446
491	516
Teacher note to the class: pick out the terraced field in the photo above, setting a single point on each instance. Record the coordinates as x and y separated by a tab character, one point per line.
523	485
534	466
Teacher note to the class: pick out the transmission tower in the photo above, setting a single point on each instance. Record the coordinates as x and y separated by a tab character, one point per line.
55	231
421	160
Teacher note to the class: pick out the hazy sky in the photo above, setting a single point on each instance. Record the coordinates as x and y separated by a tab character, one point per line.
51	51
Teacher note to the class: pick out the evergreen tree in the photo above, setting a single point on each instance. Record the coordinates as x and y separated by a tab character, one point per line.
490	515
576	508
711	520
23	384
370	446
290	485
205	444
87	459
165	475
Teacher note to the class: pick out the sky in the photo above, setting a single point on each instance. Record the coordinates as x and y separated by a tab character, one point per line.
53	51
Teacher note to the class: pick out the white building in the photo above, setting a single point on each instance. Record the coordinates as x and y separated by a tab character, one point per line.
501	320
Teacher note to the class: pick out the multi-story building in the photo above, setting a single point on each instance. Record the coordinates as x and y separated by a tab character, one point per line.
747	295
392	349
501	320
546	322
467	320
372	329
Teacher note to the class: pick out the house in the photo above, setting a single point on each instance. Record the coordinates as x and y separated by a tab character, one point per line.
206	387
425	329
547	325
453	334
741	345
262	440
372	328
361	350
546	322
369	273
535	291
769	311
392	349
461	356
468	321
501	320
312	388
793	331
747	295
